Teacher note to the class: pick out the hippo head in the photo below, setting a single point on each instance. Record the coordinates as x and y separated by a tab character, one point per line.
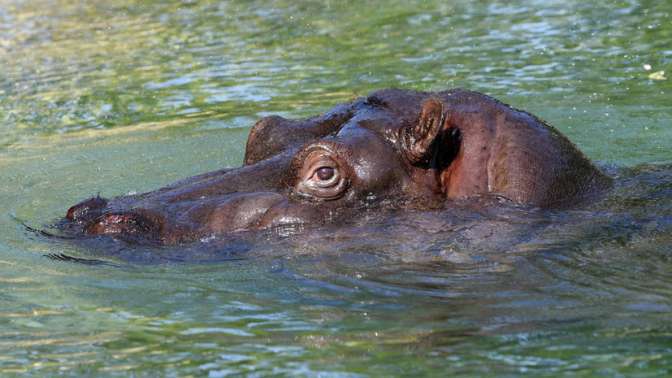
394	149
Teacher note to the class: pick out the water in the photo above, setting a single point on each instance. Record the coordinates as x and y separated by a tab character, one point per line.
118	96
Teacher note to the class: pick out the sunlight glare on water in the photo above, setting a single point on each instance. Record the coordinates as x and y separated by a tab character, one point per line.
114	97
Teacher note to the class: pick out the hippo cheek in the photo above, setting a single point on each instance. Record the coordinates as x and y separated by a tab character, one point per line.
235	212
289	213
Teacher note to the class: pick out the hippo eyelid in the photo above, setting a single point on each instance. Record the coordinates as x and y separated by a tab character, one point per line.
309	162
330	147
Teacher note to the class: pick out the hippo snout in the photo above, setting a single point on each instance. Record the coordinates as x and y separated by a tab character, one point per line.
86	210
132	220
95	216
125	223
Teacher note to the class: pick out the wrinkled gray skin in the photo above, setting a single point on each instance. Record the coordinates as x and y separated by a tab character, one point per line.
394	149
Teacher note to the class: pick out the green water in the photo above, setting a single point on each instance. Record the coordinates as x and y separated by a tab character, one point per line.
122	96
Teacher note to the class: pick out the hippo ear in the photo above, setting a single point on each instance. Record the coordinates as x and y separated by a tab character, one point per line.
419	141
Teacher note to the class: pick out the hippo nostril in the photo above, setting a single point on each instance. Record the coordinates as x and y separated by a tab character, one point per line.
129	223
88	209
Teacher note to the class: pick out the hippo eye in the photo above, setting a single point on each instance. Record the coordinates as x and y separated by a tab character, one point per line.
321	176
325	176
325	173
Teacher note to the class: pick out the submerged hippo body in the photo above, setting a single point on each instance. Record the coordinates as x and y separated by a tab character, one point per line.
393	149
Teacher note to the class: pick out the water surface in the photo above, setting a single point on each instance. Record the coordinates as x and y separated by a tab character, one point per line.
113	97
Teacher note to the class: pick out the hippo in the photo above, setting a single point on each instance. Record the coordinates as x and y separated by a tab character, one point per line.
393	149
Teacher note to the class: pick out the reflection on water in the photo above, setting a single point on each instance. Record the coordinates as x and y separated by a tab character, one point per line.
120	96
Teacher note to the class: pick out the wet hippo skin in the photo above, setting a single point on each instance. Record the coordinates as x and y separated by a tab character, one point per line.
394	149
